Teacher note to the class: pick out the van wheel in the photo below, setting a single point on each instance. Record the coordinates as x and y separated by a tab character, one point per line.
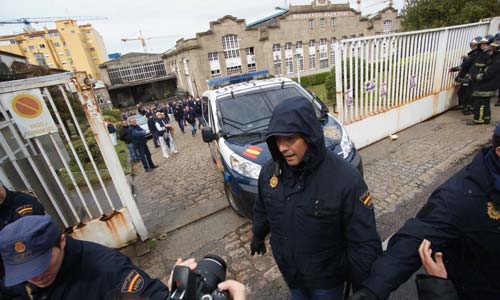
233	201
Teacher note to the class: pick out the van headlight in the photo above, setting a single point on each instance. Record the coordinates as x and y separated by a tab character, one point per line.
345	143
244	167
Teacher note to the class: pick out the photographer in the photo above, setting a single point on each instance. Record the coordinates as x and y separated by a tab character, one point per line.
57	266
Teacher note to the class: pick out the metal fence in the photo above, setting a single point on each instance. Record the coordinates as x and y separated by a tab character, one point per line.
378	73
77	186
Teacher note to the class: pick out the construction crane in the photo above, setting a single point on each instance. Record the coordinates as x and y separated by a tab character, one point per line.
28	21
143	39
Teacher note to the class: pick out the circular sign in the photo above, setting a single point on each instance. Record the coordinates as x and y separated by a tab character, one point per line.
27	106
19	247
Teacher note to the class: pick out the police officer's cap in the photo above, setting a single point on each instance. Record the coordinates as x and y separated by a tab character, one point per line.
484	40
26	247
494	46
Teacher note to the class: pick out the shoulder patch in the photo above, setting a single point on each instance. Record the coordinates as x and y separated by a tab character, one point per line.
133	283
25	210
366	199
493	213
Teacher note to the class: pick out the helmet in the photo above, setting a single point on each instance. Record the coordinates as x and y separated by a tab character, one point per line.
497	37
494	46
473	42
484	40
490	38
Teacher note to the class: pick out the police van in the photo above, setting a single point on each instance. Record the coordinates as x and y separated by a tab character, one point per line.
236	118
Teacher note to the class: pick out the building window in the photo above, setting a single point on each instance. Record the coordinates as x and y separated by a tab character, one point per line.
387	25
13	42
64	62
277	60
323	54
137	72
67	52
251	64
333	22
57	44
53	34
289	65
89	41
92	49
332	50
213	60
311	23
40	59
288	46
32	47
322	23
231	46
42	46
312	61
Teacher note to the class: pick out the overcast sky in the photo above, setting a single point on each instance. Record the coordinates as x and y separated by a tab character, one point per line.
169	19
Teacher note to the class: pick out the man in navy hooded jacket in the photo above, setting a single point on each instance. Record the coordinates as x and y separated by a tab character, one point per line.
315	205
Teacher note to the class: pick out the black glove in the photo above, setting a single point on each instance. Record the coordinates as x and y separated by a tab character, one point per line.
258	247
363	294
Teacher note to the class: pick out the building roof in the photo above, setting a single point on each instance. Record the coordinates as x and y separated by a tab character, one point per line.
265	19
12	54
310	8
131	57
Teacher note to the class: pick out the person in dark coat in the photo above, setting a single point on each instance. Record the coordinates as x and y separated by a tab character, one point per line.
125	137
138	137
461	220
464	92
190	117
315	205
179	115
13	206
482	86
198	112
152	128
57	266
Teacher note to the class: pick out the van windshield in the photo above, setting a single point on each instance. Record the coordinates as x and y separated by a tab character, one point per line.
250	113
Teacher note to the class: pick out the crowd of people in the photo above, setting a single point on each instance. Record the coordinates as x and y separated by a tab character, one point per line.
478	76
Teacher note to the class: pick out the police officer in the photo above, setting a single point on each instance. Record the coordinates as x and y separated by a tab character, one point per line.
315	205
464	92
461	220
485	85
13	206
57	266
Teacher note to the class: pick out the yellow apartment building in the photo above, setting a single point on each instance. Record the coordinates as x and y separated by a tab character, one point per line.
69	46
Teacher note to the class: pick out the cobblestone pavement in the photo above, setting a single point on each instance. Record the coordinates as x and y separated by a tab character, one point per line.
397	172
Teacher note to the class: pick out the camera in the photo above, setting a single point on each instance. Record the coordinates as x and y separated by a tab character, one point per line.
200	284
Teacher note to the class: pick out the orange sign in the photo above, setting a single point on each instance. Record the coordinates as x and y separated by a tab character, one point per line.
27	106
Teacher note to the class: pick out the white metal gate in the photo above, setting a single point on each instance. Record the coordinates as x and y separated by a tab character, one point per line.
80	184
377	73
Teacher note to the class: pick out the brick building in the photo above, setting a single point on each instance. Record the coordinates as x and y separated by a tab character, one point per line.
300	36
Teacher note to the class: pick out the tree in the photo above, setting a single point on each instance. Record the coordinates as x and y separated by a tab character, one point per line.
424	14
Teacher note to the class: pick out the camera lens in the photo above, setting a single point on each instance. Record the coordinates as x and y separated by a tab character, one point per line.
212	269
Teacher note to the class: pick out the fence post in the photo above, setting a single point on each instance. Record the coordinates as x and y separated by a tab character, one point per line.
338	81
440	62
94	117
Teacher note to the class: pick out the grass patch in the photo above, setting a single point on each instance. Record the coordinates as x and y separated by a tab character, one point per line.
320	91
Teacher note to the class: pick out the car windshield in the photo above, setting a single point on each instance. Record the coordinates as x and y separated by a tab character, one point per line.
250	113
140	119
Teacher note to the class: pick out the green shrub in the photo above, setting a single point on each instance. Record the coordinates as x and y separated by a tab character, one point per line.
115	113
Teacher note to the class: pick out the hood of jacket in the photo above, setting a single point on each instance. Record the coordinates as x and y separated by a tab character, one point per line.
297	116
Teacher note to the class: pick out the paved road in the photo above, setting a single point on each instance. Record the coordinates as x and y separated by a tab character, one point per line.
185	198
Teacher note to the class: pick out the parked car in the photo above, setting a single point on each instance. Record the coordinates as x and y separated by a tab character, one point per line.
237	117
143	122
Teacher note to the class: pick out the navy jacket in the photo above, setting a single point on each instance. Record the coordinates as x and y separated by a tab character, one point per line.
151	124
321	232
124	134
460	219
137	135
92	271
18	205
488	81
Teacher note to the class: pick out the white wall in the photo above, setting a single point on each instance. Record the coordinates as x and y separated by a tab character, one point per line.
380	126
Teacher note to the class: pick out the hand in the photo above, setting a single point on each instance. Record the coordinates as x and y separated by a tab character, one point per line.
236	290
191	263
363	294
258	247
434	268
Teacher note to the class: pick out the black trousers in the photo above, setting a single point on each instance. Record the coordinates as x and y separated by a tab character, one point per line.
145	156
464	94
482	111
